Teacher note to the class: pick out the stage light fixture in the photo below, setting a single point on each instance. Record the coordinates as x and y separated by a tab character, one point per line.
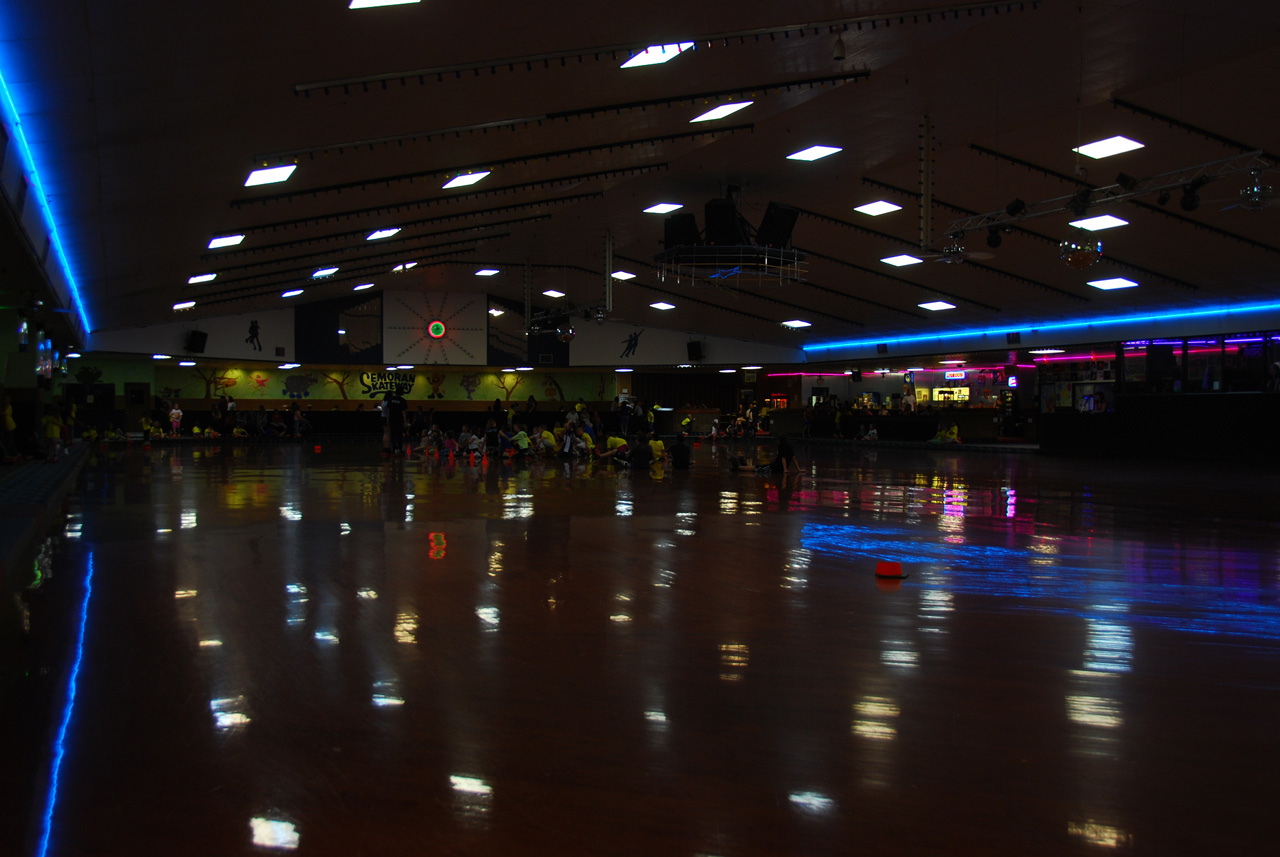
1126	181
1191	194
1015	208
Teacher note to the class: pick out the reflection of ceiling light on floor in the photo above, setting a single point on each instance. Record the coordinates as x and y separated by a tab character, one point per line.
271	833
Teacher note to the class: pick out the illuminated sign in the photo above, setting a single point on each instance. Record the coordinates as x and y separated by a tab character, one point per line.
1013	380
954	376
436	329
377	383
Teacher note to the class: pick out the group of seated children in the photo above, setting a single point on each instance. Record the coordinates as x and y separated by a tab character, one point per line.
573	439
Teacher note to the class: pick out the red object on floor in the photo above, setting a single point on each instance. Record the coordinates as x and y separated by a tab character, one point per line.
889	569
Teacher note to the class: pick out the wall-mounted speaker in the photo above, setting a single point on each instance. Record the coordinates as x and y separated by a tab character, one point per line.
775	228
196	341
1013	338
882	348
695	350
680	230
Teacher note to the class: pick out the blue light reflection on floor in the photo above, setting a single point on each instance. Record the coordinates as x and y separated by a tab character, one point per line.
1090	578
59	745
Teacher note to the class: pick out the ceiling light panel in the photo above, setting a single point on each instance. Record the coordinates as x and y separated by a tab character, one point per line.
362	287
373	4
877	208
487	272
722	111
324	272
663	305
1108	147
1102	221
1112	283
663	208
796	323
270	175
382	233
936	305
657	54
902	260
292	293
552	293
184	305
200	278
623	275
813	153
465	179
225	241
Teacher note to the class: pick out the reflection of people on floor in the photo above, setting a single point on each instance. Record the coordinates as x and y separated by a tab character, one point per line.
784	462
681	455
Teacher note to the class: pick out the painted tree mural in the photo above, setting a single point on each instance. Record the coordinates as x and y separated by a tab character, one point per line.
502	383
339	380
216	381
470	383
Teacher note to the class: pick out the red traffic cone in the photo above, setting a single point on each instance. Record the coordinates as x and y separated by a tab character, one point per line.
890	570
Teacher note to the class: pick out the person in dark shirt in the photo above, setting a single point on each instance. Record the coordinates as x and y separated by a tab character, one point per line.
393	408
681	455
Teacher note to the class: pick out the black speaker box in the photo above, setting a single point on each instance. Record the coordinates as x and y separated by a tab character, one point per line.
775	229
680	230
196	341
695	350
722	223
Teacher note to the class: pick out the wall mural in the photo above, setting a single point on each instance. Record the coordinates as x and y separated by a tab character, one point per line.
337	384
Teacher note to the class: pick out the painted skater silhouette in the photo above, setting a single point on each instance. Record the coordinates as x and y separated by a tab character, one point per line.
631	342
252	338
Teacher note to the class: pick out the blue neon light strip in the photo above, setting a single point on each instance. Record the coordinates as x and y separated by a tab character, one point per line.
1058	325
59	747
33	178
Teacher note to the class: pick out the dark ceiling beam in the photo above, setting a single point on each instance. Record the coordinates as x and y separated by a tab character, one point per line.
302	273
757	91
337	236
1019	230
817	28
736	292
835	221
393	250
266	289
1145	206
444	218
855	266
1179	125
459	169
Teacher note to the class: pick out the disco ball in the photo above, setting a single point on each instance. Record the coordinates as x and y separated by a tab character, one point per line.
1080	253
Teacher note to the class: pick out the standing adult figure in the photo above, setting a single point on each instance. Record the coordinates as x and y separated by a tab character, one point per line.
393	409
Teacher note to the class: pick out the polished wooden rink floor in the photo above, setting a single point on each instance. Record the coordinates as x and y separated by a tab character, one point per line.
326	653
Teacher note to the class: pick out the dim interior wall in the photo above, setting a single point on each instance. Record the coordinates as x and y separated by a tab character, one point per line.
435	328
630	345
249	336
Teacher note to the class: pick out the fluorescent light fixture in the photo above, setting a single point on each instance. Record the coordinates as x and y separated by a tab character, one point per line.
512	369
292	293
225	241
186	362
324	272
362	287
1048	351
71	355
270	175
657	54
901	260
382	233
400	269
624	370
936	305
200	278
1102	221
663	208
813	153
915	368
341	332
270	833
1113	283
684	365
727	371
623	275
495	312
161	357
663	305
466	179
722	111
952	362
552	293
1108	147
373	4
524	368
288	365
404	366
751	368
487	272
796	323
183	305
392	369
877	208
